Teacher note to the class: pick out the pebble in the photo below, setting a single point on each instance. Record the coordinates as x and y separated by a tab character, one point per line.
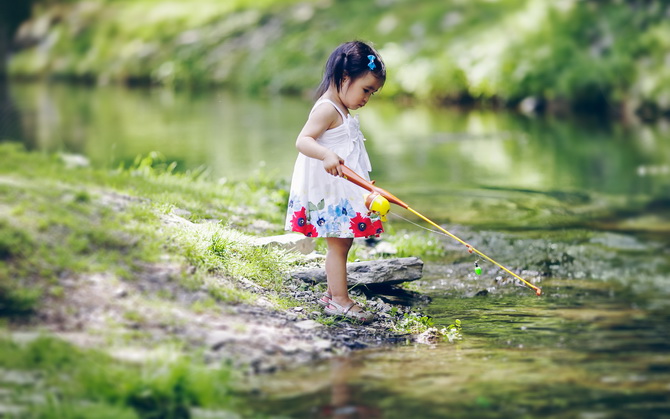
323	345
121	293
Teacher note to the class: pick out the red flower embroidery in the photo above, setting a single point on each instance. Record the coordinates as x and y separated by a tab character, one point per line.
364	227
378	227
301	225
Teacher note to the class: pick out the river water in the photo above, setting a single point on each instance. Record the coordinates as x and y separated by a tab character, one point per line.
581	206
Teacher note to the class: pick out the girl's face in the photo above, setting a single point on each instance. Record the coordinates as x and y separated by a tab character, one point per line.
355	94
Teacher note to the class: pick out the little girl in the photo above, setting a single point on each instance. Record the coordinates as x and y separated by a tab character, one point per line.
322	203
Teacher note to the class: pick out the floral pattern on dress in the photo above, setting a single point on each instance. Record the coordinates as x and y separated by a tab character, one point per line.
301	225
365	227
319	220
321	205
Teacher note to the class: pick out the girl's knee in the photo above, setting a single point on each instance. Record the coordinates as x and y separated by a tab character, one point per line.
339	245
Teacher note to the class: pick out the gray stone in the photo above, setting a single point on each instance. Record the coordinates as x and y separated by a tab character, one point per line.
216	339
384	248
308	325
323	345
384	271
291	241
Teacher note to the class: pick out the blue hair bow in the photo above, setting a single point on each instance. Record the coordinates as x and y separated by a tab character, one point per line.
371	64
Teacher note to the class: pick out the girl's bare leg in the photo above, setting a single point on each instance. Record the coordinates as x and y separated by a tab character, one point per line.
336	269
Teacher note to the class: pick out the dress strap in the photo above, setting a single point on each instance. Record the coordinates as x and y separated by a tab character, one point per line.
320	101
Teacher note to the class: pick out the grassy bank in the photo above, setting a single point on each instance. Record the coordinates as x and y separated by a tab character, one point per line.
115	285
586	56
59	222
62	226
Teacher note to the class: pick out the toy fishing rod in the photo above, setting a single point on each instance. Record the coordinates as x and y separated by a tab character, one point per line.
378	201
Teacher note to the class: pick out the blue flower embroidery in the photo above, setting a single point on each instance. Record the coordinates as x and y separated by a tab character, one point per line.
323	222
343	210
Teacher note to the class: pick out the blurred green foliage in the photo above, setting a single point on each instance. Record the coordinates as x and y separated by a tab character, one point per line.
583	54
76	383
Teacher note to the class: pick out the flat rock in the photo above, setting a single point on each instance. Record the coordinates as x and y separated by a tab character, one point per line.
291	241
378	272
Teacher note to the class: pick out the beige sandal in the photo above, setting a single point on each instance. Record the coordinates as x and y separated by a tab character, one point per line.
335	309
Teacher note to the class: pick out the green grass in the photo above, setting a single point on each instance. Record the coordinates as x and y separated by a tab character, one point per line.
57	223
75	383
417	243
413	323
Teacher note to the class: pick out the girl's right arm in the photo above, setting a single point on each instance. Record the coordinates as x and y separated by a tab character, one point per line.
323	118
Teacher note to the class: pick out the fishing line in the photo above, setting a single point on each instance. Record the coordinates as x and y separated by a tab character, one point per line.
418	225
378	201
471	249
478	269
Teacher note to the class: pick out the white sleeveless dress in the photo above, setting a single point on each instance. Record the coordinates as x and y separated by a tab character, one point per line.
323	205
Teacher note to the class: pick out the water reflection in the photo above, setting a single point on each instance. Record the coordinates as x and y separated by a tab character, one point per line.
413	148
480	168
582	351
10	119
231	136
596	345
345	400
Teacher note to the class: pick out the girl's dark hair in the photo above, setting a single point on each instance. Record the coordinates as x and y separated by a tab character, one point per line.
351	60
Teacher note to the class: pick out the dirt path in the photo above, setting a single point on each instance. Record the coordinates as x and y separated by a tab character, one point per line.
132	318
